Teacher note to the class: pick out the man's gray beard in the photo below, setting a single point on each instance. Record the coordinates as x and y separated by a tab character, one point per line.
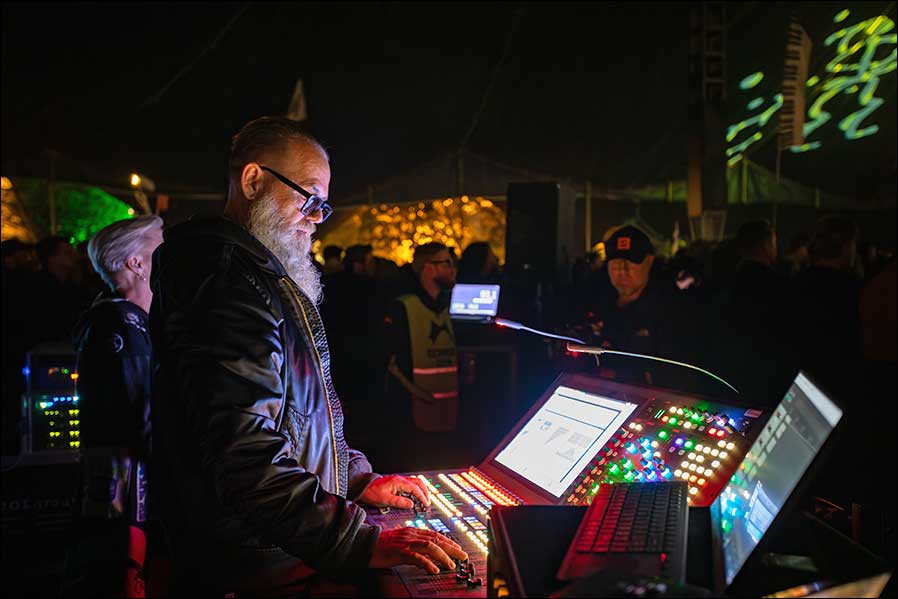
269	227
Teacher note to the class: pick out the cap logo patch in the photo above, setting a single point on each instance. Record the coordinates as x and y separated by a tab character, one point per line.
623	243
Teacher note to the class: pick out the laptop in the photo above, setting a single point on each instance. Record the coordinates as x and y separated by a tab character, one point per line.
770	481
765	487
474	303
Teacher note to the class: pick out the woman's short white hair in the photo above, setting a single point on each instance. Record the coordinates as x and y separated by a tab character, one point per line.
112	245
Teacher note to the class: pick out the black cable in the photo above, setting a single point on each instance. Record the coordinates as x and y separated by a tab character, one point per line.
155	97
489	88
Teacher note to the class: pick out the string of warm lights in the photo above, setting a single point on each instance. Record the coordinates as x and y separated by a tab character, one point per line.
395	230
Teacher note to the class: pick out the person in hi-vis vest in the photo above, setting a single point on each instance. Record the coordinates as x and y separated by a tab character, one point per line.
422	357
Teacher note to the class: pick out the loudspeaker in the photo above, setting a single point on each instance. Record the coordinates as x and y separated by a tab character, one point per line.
541	238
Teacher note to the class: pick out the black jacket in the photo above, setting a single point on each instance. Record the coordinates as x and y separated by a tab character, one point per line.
250	458
114	353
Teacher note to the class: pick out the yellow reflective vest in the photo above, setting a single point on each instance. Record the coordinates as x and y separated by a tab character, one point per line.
434	365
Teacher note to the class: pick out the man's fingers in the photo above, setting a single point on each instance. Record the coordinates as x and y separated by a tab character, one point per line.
400	502
452	548
417	488
434	552
416	559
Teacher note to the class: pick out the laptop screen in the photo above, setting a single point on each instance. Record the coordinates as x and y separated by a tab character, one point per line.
562	437
772	468
474	300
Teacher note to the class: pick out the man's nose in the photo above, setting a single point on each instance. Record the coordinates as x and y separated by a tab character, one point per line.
315	217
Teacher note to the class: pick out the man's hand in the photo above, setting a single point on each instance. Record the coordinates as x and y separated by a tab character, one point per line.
384	492
423	548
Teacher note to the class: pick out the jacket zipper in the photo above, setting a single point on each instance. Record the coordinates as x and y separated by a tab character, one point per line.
327	398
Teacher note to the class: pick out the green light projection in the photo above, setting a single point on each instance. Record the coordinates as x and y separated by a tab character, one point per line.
81	210
854	71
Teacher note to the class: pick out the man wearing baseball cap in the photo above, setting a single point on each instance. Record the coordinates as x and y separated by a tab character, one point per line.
640	314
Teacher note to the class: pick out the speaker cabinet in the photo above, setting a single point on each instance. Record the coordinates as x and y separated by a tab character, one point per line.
542	238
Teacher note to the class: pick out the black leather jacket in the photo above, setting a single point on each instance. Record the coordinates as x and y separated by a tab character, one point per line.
249	454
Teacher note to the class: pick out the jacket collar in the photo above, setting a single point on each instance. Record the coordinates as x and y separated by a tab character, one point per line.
223	230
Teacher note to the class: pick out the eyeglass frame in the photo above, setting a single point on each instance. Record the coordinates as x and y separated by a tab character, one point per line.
313	201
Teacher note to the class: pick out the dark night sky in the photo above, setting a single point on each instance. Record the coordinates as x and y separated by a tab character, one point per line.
588	90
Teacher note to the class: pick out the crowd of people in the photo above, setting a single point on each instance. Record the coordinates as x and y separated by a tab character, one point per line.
275	378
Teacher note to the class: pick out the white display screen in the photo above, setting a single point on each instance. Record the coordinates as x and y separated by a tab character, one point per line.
474	300
562	437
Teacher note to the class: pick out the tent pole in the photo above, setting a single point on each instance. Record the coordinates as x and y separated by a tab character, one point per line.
588	216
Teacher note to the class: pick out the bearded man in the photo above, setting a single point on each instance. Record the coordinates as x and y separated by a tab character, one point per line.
256	485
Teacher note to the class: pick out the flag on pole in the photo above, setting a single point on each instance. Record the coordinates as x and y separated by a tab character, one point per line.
297	109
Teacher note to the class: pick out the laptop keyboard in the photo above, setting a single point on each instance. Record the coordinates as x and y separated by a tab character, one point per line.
648	519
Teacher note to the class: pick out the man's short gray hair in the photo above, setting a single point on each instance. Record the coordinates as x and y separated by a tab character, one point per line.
112	245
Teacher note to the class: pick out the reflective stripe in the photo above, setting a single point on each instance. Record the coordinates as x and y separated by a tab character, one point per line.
439	370
446	395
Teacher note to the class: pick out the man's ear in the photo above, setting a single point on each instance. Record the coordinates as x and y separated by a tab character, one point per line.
251	181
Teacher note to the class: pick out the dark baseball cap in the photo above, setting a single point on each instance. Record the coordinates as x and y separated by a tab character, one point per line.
628	243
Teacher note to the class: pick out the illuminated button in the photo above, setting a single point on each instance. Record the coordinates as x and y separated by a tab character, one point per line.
627	464
631	447
715	463
712	431
666	473
700	470
684	464
644	442
706	450
645	463
693	490
730	446
692	456
692	467
715	453
672	421
680	411
699	447
678	473
629	476
609	451
632	425
673	409
639	427
701	482
723	455
640	477
688	444
654	444
699	458
613	469
693	478
663	435
685	476
664	418
721	433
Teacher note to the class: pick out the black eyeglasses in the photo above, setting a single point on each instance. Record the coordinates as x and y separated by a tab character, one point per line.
312	203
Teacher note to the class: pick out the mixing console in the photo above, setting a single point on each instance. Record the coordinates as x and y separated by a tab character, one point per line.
459	508
582	432
701	443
